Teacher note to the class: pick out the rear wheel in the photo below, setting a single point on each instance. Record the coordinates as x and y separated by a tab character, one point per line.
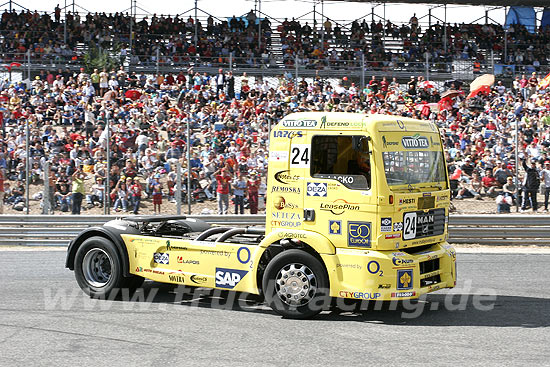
98	269
296	285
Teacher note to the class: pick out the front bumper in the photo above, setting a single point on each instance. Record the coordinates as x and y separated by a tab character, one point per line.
391	275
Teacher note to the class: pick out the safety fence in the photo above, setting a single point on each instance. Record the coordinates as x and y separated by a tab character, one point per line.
49	230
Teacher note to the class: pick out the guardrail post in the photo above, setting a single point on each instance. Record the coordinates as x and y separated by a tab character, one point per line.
362	71
29	64
27	165
158	60
46	208
427	67
231	61
296	64
178	187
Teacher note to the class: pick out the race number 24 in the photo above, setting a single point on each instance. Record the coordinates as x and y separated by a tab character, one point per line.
299	155
409	226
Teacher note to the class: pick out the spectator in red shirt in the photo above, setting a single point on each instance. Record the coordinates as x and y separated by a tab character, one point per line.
252	186
490	183
223	179
135	190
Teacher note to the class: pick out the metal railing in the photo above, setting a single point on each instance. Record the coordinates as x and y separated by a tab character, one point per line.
49	230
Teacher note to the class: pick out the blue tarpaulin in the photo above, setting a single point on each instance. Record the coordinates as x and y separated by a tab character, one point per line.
521	15
545	22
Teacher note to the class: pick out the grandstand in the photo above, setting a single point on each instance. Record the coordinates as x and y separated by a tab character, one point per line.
358	48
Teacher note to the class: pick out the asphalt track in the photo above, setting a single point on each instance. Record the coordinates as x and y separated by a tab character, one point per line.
45	320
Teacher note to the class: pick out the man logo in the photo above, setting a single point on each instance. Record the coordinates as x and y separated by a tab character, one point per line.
359	234
229	278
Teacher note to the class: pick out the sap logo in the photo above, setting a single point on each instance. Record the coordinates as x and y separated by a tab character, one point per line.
402	262
359	234
415	142
316	189
229	278
161	258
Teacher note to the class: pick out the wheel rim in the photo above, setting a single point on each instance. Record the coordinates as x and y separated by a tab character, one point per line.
96	267
296	284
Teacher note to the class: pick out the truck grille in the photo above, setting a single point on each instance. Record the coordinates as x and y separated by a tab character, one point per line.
430	223
429	266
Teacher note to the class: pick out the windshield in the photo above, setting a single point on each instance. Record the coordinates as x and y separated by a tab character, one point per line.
414	167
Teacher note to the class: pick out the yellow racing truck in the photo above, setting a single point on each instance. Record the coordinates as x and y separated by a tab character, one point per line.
357	208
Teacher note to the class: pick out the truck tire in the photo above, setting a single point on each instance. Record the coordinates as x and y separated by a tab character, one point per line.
296	285
98	270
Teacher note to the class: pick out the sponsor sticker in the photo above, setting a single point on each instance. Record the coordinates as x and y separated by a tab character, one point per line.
229	278
415	142
404	278
398	226
335	227
359	295
393	236
285	177
286	189
176	278
198	279
403	294
339	206
280	203
299	123
182	260
398	261
243	255
316	189
278	155
385	225
287	134
359	234
161	258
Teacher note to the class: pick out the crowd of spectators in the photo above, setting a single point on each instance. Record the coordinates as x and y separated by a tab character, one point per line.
229	124
174	37
319	46
331	44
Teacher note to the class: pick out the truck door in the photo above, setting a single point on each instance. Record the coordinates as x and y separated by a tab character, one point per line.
339	200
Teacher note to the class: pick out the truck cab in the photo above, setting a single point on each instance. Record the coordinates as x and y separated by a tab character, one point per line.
373	185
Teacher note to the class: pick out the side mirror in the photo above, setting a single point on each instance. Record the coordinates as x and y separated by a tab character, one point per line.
361	143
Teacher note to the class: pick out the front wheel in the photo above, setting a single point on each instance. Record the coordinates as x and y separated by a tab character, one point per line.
98	269
296	284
